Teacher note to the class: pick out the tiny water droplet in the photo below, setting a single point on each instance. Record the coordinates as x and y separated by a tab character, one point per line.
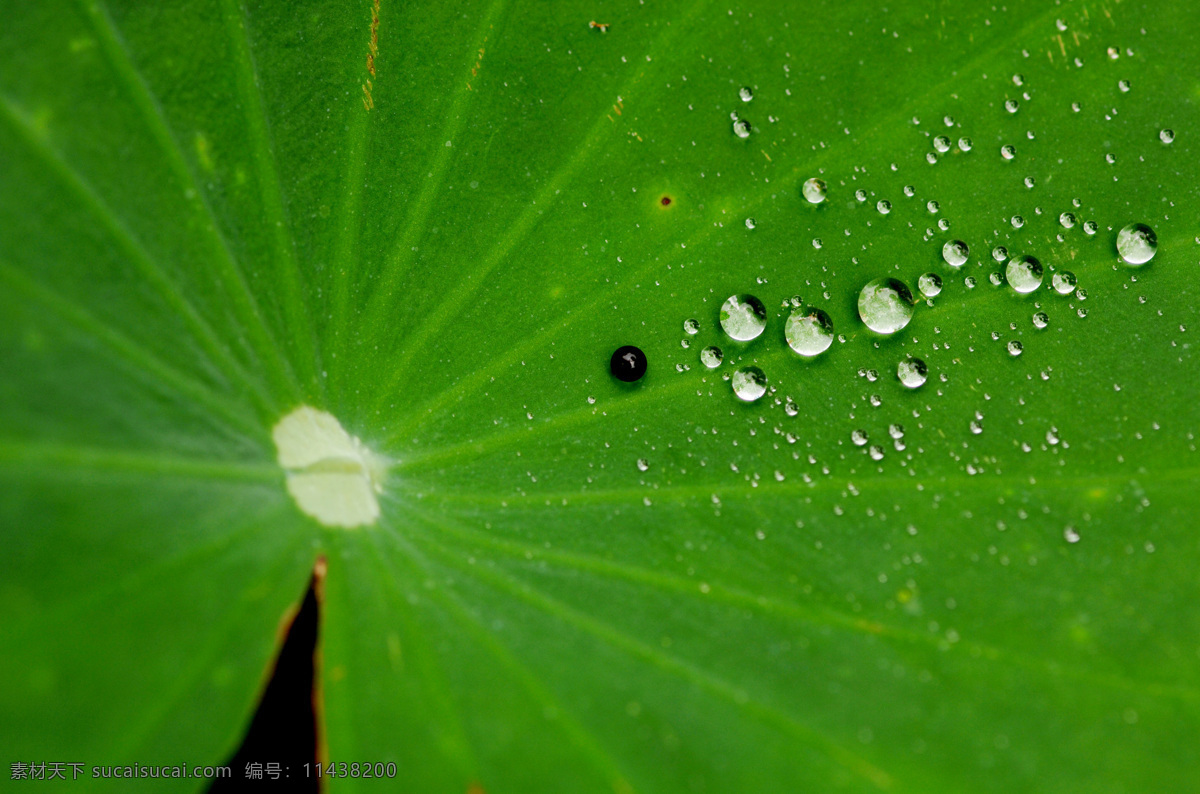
1017	221
1166	136
1040	320
964	144
691	326
1064	282
749	383
1070	535
741	128
876	452
999	253
955	252
1024	274
643	464
1008	151
1067	219
1124	86
860	195
746	93
930	284
941	143
884	206
1030	182
1015	348
1011	105
809	333
814	190
885	305
932	206
743	317
751	223
859	437
1090	228
711	356
1137	243
790	408
912	372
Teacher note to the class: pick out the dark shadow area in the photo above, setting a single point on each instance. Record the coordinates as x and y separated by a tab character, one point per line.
282	737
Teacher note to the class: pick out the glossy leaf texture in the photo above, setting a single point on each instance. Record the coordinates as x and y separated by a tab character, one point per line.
436	222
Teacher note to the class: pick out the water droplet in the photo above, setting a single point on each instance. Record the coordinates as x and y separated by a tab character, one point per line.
711	356
941	143
1030	182
1011	105
1064	282
1067	219
976	427
743	317
1090	228
790	408
691	326
746	93
955	252
996	279
1015	348
964	144
1070	535
932	206
1136	243
860	195
741	128
969	282
1110	158
628	363
999	253
1124	86
1166	136
885	305
685	343
1008	151
1040	320
814	190
1018	79
1017	221
876	452
749	383
643	464
859	437
1024	274
884	206
809	333
930	284
751	223
912	372
910	191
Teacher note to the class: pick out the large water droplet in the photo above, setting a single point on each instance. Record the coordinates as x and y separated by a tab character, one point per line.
749	383
711	356
885	305
809	333
743	317
1024	274
813	190
955	252
912	372
1136	243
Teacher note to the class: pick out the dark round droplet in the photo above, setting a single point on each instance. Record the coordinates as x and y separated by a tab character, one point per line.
628	363
665	201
